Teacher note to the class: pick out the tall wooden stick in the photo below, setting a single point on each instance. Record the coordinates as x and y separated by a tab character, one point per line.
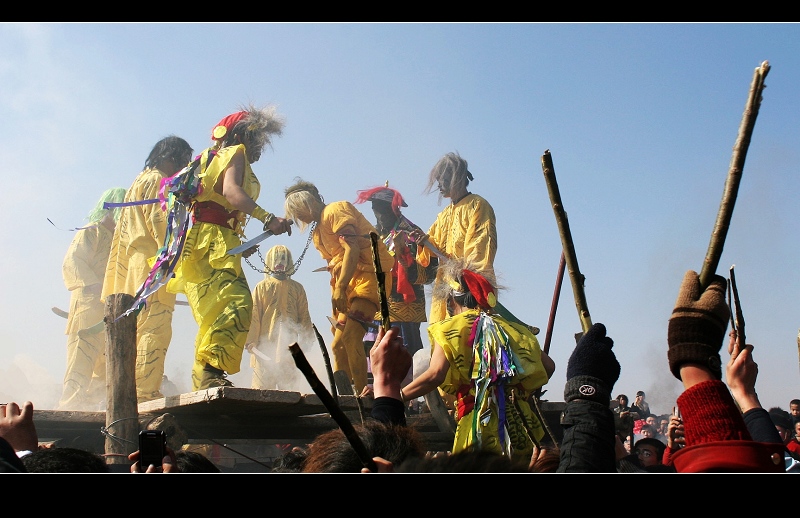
384	298
327	359
551	321
554	304
575	276
333	408
734	176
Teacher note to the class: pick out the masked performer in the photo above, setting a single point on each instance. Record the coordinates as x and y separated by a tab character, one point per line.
489	364
280	318
137	239
465	229
211	278
407	298
342	236
83	268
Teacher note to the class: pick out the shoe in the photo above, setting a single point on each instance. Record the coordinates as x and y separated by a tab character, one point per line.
213	378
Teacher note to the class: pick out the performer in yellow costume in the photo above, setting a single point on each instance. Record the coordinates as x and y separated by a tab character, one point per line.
341	235
488	364
466	228
280	318
137	239
211	278
83	268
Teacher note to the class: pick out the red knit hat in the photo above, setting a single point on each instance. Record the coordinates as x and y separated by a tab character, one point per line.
485	294
225	125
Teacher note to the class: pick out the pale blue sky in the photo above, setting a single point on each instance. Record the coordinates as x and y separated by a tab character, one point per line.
640	120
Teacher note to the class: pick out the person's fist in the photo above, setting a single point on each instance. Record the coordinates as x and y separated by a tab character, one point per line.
592	369
697	326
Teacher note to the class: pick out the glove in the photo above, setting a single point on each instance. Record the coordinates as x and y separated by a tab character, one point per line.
697	326
592	369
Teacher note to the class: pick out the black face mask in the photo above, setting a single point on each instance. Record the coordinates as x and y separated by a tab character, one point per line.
384	216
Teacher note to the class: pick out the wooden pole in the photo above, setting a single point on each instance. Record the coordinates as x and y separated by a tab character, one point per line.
554	304
562	263
575	276
333	408
122	414
327	360
731	189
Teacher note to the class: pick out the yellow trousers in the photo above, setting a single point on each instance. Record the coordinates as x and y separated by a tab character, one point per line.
153	336
85	377
348	343
222	306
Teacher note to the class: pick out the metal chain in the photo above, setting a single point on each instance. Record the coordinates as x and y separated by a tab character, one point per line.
296	265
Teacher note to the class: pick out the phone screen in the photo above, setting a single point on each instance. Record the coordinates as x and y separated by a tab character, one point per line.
152	448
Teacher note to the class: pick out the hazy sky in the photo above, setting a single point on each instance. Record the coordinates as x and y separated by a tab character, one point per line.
640	120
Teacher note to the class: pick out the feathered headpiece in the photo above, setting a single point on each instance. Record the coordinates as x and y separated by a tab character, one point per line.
459	279
385	193
485	294
224	126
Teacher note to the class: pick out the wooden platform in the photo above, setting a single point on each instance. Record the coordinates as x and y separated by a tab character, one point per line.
221	414
239	416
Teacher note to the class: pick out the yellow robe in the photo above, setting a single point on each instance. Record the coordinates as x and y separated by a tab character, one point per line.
213	280
280	318
139	234
362	290
480	427
82	269
466	229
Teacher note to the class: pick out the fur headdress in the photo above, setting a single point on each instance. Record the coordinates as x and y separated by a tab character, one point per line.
459	280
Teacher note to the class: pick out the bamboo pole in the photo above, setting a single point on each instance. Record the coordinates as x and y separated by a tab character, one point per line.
575	276
731	188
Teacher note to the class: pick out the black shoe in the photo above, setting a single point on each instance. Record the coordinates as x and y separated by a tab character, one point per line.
212	378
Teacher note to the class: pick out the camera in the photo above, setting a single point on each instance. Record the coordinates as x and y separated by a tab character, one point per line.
152	448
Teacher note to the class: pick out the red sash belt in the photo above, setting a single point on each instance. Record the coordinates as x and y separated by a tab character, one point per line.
212	212
465	401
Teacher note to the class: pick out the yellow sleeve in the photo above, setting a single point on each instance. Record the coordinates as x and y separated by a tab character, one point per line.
78	267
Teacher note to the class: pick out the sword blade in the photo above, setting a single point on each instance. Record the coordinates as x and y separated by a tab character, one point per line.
255	351
249	244
436	251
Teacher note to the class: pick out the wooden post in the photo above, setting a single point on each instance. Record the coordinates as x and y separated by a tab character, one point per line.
122	413
441	416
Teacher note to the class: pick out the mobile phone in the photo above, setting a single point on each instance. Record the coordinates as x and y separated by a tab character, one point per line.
152	448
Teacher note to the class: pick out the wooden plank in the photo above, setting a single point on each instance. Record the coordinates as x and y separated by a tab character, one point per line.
245	416
234	400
